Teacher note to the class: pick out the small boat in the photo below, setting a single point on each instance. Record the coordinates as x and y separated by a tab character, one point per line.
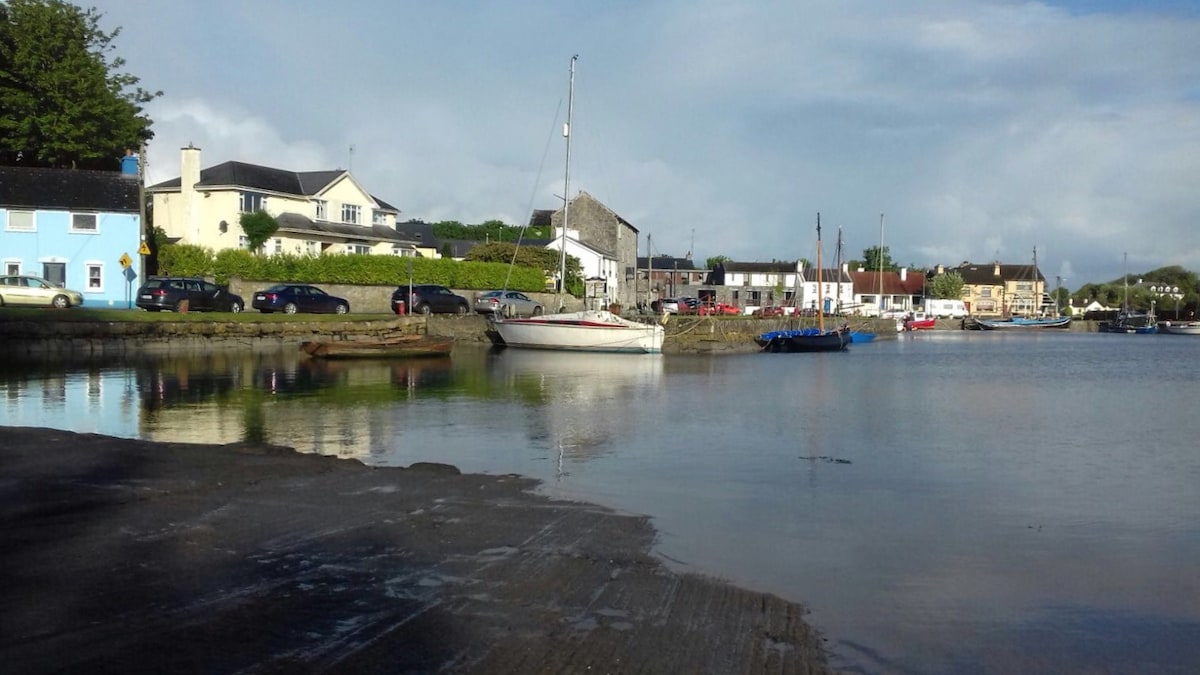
1179	328
1132	323
919	321
861	336
407	347
1019	322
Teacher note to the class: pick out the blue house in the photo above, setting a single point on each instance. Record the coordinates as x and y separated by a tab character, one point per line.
79	229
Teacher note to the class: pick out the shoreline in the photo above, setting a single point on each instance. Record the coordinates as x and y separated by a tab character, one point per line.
127	555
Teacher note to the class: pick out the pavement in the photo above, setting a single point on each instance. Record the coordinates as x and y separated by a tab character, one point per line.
125	556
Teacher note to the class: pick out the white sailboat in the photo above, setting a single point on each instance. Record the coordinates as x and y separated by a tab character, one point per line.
587	330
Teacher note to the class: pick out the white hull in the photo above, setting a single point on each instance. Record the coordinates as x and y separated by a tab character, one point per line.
589	331
1190	328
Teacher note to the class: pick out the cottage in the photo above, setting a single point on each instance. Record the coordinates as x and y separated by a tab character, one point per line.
79	229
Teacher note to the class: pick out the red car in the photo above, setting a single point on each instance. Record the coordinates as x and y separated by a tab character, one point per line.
718	309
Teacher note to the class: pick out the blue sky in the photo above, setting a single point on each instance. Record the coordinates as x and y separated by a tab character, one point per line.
981	129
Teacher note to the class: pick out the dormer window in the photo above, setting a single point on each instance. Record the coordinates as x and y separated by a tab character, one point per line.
351	213
378	217
322	209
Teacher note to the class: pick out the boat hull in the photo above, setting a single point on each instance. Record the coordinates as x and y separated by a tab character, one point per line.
1188	328
1017	323
407	348
804	341
589	330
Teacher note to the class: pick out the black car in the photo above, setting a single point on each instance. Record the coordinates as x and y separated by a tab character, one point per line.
429	299
292	298
180	294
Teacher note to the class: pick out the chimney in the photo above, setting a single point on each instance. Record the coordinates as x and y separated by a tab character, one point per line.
996	270
941	269
845	267
903	274
189	175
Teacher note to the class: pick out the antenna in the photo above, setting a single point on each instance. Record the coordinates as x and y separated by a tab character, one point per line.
350	164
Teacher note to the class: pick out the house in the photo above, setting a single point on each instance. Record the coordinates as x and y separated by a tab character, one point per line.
756	284
423	239
993	289
879	292
835	287
80	229
669	277
317	211
605	243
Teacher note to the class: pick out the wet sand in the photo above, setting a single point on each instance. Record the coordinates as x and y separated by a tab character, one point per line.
123	556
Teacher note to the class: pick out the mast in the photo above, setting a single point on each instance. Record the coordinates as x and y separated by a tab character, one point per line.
1035	303
562	262
1125	279
839	270
820	299
879	298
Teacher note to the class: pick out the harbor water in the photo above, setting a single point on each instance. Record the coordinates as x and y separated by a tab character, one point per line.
945	502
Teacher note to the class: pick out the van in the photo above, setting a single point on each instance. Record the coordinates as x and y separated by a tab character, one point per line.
945	309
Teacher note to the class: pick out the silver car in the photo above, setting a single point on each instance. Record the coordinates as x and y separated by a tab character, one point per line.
508	303
31	291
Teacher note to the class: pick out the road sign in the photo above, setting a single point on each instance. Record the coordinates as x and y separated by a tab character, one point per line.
144	249
125	260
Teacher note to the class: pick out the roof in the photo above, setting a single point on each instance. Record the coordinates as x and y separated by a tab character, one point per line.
984	274
868	282
418	231
268	179
666	262
784	267
295	222
830	275
69	189
541	217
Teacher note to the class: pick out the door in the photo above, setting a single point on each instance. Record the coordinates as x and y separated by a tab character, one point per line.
55	273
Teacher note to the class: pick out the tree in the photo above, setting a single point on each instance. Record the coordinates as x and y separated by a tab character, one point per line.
258	226
871	261
946	286
64	101
544	259
716	260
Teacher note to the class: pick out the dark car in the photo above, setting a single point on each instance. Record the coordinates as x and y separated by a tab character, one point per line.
430	299
292	298
192	294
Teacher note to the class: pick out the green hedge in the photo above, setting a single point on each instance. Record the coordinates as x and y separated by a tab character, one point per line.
382	270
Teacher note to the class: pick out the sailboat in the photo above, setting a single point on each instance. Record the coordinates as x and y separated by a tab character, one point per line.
808	339
1128	322
1031	321
587	330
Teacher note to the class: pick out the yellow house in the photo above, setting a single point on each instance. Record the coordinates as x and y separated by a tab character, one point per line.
317	211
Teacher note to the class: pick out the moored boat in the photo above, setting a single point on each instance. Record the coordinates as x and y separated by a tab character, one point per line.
1018	322
408	346
1179	327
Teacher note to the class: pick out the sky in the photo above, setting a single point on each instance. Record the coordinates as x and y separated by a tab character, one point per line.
950	130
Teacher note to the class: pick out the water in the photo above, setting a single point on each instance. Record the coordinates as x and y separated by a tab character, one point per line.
950	502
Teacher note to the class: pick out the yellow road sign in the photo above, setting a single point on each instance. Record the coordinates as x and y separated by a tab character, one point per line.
144	249
125	260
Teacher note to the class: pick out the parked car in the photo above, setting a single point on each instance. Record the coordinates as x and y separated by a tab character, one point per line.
665	306
515	303
169	293
430	299
718	309
689	305
28	290
292	298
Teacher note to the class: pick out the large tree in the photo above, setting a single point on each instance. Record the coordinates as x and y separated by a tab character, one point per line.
64	101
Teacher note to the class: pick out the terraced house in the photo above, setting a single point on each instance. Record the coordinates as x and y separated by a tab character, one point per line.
318	211
993	289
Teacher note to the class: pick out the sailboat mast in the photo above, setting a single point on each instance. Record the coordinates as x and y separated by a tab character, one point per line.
562	261
820	299
879	300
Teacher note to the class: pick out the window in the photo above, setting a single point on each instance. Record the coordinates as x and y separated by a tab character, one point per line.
249	202
243	242
322	209
378	217
360	249
350	213
95	276
55	273
12	267
83	222
312	247
404	252
278	245
985	292
20	221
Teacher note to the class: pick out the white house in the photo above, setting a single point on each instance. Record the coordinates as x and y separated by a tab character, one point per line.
317	211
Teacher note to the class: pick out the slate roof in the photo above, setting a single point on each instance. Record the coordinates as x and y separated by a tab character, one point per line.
984	274
783	267
666	262
295	222
267	179
541	217
828	275
418	231
68	189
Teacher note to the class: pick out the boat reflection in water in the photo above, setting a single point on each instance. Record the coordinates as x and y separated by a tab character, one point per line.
579	405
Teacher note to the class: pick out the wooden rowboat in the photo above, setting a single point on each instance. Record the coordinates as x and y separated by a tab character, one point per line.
406	347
